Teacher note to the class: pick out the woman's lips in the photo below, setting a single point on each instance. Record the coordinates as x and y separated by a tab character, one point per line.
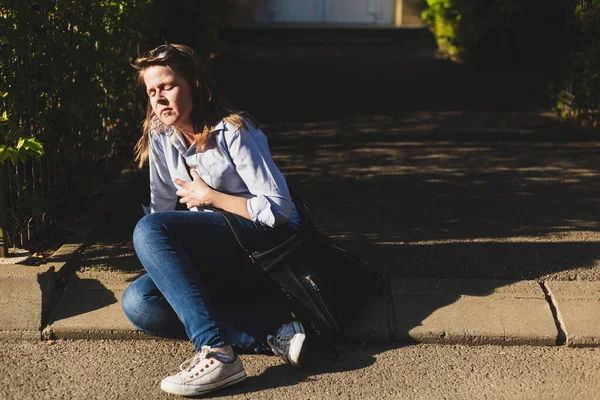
165	110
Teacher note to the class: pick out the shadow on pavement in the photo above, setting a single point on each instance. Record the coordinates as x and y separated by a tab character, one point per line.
82	296
283	375
485	195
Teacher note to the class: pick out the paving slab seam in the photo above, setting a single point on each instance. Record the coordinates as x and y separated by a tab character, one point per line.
578	305
562	338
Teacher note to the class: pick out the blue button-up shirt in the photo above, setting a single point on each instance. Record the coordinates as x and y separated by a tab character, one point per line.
236	161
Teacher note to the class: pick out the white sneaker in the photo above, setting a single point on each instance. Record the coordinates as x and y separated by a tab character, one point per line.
288	343
201	374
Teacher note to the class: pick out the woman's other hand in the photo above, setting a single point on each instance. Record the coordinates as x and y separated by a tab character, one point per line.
195	193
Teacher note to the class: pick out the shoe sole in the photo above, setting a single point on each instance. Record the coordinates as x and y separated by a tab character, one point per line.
298	352
189	390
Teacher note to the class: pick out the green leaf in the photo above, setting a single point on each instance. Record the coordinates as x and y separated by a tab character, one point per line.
35	146
4	116
20	143
13	154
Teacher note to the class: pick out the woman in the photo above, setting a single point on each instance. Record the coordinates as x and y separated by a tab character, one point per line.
208	154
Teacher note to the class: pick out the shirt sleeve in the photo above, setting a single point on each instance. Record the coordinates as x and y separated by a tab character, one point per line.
270	202
163	196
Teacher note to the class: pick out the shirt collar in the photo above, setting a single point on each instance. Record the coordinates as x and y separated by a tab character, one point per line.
177	140
221	126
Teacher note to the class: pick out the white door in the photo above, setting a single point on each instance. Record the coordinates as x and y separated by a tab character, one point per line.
329	11
360	11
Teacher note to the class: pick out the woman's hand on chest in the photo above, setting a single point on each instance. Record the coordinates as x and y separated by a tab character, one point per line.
196	193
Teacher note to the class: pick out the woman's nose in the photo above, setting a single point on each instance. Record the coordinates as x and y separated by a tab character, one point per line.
160	98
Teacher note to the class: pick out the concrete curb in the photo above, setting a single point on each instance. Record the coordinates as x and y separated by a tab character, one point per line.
25	298
435	311
27	291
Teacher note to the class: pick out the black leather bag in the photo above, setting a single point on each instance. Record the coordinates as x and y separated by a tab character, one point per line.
324	284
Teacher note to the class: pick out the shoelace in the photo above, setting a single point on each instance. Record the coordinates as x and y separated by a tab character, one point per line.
275	343
190	363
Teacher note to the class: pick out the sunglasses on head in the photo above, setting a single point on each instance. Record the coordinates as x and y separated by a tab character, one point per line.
164	50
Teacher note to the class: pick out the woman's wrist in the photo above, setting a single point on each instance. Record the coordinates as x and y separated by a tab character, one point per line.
209	198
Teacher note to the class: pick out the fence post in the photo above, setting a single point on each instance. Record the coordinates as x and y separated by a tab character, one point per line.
3	230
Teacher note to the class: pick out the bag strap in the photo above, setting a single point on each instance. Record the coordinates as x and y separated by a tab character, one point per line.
235	229
279	251
306	225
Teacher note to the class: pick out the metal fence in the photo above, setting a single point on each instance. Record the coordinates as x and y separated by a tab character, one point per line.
76	146
31	192
30	188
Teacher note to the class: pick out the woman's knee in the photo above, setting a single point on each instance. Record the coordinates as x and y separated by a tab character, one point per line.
134	308
137	295
148	311
146	228
132	301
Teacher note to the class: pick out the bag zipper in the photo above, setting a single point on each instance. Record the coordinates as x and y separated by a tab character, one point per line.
314	285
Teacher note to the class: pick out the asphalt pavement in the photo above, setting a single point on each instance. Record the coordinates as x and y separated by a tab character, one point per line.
98	369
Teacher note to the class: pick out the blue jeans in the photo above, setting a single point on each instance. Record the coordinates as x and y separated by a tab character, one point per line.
197	283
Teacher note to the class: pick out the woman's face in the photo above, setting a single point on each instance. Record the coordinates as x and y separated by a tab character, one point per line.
170	97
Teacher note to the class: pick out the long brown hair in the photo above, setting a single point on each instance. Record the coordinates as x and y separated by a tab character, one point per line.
209	105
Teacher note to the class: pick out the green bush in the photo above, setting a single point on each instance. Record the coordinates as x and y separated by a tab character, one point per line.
558	44
446	19
495	32
65	74
68	100
577	92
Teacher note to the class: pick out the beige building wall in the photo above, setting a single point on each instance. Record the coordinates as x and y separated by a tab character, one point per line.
410	13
